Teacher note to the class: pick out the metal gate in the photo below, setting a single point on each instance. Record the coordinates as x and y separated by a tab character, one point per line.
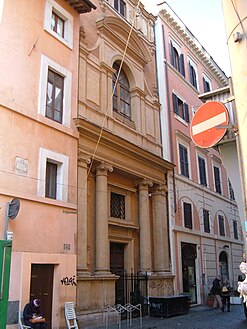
136	291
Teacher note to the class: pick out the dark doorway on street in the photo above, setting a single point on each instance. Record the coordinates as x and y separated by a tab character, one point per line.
223	262
188	269
42	287
117	268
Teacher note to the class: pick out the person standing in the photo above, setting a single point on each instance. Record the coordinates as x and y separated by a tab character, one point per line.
32	316
225	294
216	291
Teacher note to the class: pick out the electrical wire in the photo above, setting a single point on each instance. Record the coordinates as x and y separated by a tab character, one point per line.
114	88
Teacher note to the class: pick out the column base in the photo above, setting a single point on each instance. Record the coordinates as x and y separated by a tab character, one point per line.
103	273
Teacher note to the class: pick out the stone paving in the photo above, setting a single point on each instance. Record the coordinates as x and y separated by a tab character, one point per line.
199	317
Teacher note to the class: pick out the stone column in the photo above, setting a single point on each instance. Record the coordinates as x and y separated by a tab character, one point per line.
102	261
160	230
83	162
145	230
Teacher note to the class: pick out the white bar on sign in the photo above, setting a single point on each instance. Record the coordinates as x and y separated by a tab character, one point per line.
208	124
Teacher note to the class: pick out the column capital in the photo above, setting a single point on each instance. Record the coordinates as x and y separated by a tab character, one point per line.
143	183
83	159
103	168
159	189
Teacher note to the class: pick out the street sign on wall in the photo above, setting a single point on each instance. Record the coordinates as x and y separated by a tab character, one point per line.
208	125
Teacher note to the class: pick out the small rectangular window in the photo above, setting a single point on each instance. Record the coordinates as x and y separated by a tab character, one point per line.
235	229
57	24
193	75
177	60
202	171
217	181
51	180
187	215
221	225
117	205
231	191
206	221
54	96
206	85
184	164
120	6
180	108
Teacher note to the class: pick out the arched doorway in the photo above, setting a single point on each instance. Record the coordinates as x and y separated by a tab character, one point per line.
223	264
189	271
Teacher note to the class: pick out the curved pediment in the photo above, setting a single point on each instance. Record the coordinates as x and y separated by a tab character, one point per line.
118	31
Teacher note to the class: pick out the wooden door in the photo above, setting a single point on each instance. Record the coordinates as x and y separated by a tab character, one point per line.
117	267
42	288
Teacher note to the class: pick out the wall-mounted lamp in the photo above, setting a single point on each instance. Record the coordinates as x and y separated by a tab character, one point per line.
226	246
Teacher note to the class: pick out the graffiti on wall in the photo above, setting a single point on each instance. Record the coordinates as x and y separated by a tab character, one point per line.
68	281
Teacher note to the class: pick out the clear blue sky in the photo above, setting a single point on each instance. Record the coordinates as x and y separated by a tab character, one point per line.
205	20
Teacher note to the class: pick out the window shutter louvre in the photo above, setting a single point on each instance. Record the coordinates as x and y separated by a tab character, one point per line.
172	54
181	64
204	85
175	103
186	112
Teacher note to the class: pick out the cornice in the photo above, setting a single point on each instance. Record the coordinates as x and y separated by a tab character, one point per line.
92	131
195	47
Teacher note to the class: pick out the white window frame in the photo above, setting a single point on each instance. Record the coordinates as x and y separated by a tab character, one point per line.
47	63
62	162
51	6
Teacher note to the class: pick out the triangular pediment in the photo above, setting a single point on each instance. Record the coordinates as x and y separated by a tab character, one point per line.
118	31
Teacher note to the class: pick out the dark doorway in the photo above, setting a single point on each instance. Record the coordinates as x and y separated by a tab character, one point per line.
188	267
223	262
117	268
42	288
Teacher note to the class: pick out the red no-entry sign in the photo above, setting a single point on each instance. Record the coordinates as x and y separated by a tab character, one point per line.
205	125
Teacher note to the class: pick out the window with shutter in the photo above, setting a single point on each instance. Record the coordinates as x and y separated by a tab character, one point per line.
221	225
206	84
187	215
217	181
193	75
184	164
202	171
180	108
177	59
206	221
235	229
231	191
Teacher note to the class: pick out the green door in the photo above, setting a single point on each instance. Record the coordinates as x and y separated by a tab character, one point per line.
5	260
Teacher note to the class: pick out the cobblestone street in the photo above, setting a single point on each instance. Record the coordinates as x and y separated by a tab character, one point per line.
199	317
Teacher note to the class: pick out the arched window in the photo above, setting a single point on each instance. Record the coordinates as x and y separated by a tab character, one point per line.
121	95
